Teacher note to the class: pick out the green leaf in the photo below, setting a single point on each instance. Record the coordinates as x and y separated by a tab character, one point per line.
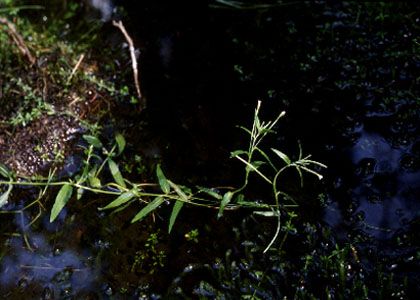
283	156
257	163
175	211
5	196
267	158
227	197
119	138
253	166
268	214
115	171
238	152
210	192
148	209
120	200
246	130
240	198
95	182
79	193
179	192
251	204
93	179
4	171
120	208
62	198
93	140
163	182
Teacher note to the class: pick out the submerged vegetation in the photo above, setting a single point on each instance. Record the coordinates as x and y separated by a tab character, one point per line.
73	177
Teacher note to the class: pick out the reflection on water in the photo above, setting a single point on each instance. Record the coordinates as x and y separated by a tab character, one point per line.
378	194
384	192
105	7
46	267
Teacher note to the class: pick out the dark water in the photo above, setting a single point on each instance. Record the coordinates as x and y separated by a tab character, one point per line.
347	75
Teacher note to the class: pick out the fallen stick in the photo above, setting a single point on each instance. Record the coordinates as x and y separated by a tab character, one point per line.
76	67
134	64
17	38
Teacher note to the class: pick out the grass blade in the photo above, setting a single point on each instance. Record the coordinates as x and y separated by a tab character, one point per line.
175	211
115	171
61	200
120	200
148	209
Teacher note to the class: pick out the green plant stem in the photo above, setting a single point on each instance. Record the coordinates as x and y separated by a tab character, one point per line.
106	160
139	194
248	164
276	198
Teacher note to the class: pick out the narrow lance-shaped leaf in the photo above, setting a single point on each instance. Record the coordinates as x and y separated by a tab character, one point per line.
61	200
227	197
120	208
300	174
120	200
93	140
255	165
115	171
79	194
179	192
175	211
5	196
210	192
94	181
238	152
148	209
283	156
4	171
246	130
266	213
178	204
163	182
312	172
119	138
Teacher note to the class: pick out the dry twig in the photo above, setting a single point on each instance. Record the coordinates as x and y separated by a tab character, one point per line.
17	38
76	67
134	64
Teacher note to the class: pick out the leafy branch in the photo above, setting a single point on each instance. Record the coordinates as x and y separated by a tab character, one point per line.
303	164
152	195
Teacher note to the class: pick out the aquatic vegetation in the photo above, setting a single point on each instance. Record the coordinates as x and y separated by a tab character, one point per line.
97	196
72	92
150	258
128	193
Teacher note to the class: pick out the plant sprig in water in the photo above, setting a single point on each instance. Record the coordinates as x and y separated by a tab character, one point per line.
151	196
